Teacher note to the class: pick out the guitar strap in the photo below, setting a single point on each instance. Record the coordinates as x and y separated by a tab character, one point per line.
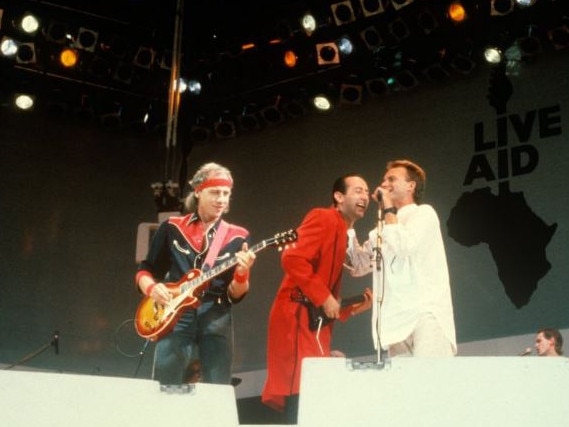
215	245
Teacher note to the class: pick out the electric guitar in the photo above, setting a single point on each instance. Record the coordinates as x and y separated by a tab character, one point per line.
153	321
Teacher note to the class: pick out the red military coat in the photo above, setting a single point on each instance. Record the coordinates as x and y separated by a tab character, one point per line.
314	265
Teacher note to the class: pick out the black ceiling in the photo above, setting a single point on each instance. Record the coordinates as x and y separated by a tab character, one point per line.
215	30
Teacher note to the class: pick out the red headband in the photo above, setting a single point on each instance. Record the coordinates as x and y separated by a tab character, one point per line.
214	182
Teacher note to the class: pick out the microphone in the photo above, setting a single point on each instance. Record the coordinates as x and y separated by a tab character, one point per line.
526	352
55	342
377	196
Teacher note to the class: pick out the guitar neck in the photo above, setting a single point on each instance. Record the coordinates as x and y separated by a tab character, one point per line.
356	299
224	266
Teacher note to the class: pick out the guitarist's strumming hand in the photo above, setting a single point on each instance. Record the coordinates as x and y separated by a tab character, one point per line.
331	307
239	286
159	293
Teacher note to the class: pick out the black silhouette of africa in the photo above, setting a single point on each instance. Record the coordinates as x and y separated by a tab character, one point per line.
516	236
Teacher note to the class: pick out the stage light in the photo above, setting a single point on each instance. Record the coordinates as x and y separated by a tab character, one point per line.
272	114
181	86
377	87
194	87
249	119
371	37
456	12
308	23
526	3
501	7
290	58
327	53
8	46
371	7
351	94
29	23
111	121
398	4
68	58
201	130
427	21
559	37
144	57
493	55
529	46
26	53
86	39
123	72
406	80
345	46
225	126
322	102
57	32
24	101
436	72
399	29
343	12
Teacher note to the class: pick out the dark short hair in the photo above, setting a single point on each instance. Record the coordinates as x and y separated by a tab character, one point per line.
415	173
340	185
556	335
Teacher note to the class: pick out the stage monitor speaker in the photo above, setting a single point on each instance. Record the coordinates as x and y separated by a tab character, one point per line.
51	399
460	391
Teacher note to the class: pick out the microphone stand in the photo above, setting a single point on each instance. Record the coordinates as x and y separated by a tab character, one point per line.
34	353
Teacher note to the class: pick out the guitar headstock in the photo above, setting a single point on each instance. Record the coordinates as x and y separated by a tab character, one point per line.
284	238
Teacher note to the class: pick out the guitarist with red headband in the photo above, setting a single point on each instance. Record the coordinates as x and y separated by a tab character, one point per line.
197	242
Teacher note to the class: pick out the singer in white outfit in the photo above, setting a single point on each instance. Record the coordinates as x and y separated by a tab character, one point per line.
414	313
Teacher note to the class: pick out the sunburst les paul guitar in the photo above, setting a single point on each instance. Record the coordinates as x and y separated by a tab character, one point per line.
153	321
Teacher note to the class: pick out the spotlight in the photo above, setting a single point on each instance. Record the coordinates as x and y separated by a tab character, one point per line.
501	7
26	53
225	127
200	131
100	67
559	37
327	53
144	57
322	102
526	3
290	58
343	12
493	55
308	23
427	21
398	29
529	46
249	119
456	12
123	73
345	46
272	114
398	4
371	37
57	32
8	46
377	87
371	7
29	23
24	101
68	58
406	80
350	94
436	72
86	39
194	87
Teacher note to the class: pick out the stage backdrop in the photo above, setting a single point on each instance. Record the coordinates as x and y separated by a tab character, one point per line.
73	196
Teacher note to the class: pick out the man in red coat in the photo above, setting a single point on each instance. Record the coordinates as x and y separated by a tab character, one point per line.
313	269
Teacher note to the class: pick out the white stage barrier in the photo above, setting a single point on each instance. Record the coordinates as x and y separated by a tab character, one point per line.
48	399
460	391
